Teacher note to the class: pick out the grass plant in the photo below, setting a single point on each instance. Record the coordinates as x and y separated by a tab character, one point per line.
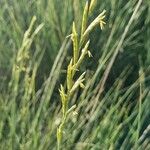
105	99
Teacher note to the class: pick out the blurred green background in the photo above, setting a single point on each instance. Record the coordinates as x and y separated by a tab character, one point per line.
29	117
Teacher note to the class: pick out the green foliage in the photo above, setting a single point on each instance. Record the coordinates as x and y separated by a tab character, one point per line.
111	111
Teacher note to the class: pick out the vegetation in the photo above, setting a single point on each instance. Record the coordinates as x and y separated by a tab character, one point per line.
44	44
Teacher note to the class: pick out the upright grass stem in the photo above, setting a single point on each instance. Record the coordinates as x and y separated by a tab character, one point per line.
79	52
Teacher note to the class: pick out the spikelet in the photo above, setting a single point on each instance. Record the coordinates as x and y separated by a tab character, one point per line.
84	18
63	98
89	54
82	85
102	22
92	6
71	109
77	83
75	43
83	53
70	75
96	21
28	32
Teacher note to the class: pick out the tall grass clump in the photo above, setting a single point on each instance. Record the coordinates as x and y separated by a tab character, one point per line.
103	75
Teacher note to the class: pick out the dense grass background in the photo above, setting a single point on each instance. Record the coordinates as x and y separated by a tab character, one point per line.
113	109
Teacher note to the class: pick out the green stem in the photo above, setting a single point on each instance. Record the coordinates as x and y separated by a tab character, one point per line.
61	126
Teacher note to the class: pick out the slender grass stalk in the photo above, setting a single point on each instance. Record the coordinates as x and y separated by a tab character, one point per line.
79	53
141	83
